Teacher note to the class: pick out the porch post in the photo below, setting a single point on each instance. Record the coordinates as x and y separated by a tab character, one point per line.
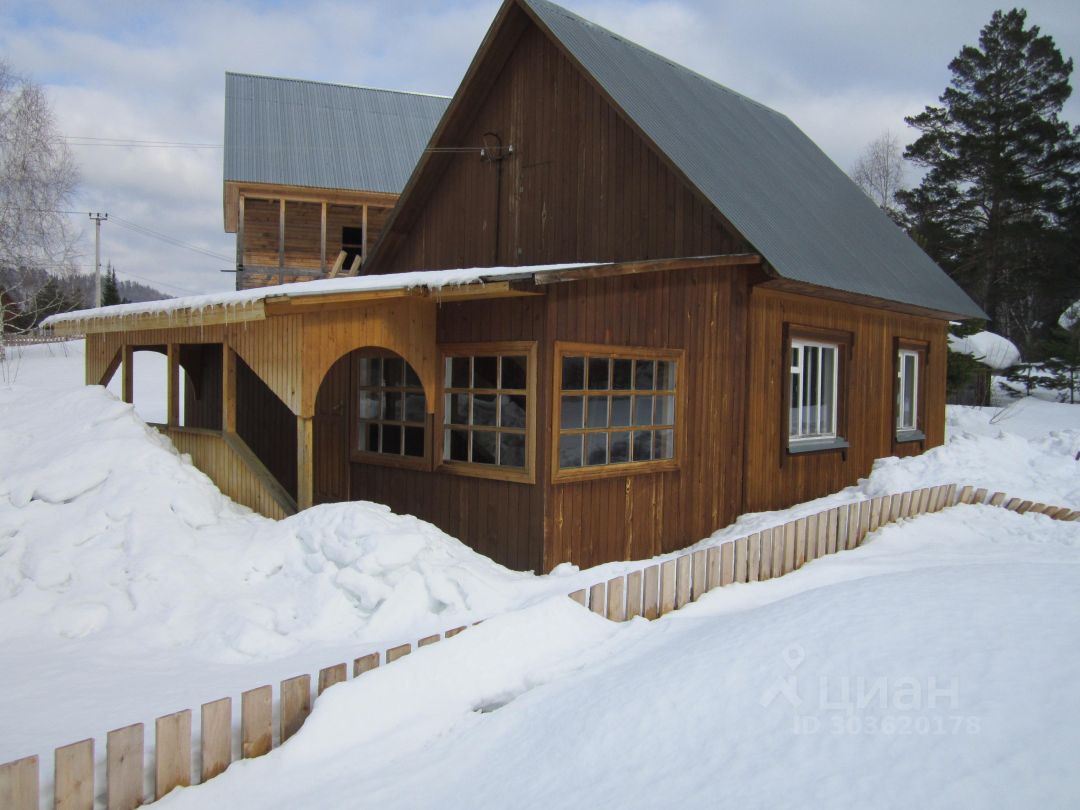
127	375
173	387
281	240
305	467
228	389
364	244
240	233
322	241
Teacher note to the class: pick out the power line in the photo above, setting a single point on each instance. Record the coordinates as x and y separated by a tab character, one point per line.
89	140
142	229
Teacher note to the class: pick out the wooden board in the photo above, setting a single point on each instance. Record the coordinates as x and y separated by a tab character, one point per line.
790	531
616	599
73	777
651	593
19	784
667	587
727	563
427	641
766	554
700	578
753	557
328	676
295	704
598	598
683	572
394	653
581	597
172	752
366	663
712	566
800	542
740	560
215	733
634	603
256	722
124	768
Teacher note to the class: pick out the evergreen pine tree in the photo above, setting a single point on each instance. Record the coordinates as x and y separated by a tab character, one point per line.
1002	179
110	292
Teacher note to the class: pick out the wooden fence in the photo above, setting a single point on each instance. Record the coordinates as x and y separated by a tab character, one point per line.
74	765
658	589
650	592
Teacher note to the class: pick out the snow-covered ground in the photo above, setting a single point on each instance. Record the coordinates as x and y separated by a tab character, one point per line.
129	587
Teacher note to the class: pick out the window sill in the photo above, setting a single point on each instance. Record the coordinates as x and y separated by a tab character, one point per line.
386	460
572	474
514	475
910	436
816	446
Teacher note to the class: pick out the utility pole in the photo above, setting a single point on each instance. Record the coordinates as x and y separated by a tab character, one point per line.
97	256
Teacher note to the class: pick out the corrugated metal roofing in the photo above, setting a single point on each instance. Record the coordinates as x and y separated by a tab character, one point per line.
782	193
301	133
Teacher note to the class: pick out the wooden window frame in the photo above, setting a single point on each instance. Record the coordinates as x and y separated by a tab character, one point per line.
583	473
357	456
844	343
526	475
921	349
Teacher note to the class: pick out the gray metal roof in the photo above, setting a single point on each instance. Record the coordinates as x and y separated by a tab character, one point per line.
301	133
781	192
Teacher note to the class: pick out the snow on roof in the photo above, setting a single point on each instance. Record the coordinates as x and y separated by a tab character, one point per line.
420	279
993	350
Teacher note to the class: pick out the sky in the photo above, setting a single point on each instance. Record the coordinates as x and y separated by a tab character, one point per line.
844	71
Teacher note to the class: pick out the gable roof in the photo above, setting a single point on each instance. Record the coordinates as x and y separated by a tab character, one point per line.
761	172
303	133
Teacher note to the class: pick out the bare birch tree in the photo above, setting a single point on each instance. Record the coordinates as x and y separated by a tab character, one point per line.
879	172
38	177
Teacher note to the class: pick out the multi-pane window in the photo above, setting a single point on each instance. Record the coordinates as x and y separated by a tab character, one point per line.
616	408
391	409
486	409
814	376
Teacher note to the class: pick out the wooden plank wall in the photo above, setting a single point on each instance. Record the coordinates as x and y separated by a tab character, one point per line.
303	223
267	426
630	517
501	519
202	393
579	186
212	454
272	347
775	479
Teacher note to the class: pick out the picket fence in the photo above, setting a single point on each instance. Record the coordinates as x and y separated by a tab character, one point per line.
650	592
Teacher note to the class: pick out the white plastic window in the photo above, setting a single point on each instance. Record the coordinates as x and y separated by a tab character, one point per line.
814	378
907	398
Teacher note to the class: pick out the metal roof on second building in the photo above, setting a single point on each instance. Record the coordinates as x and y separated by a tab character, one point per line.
303	133
761	172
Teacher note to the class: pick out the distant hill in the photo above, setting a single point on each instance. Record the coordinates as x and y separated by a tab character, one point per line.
24	284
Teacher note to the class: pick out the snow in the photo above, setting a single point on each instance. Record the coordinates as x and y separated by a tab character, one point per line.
854	682
130	587
426	279
997	352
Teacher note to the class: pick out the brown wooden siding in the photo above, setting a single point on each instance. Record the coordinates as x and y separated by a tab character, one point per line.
303	224
202	394
579	186
702	312
213	454
267	426
501	519
775	479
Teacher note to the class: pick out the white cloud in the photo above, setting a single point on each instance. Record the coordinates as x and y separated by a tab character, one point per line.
843	70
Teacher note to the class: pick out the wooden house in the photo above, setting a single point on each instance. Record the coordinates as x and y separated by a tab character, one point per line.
689	313
312	171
